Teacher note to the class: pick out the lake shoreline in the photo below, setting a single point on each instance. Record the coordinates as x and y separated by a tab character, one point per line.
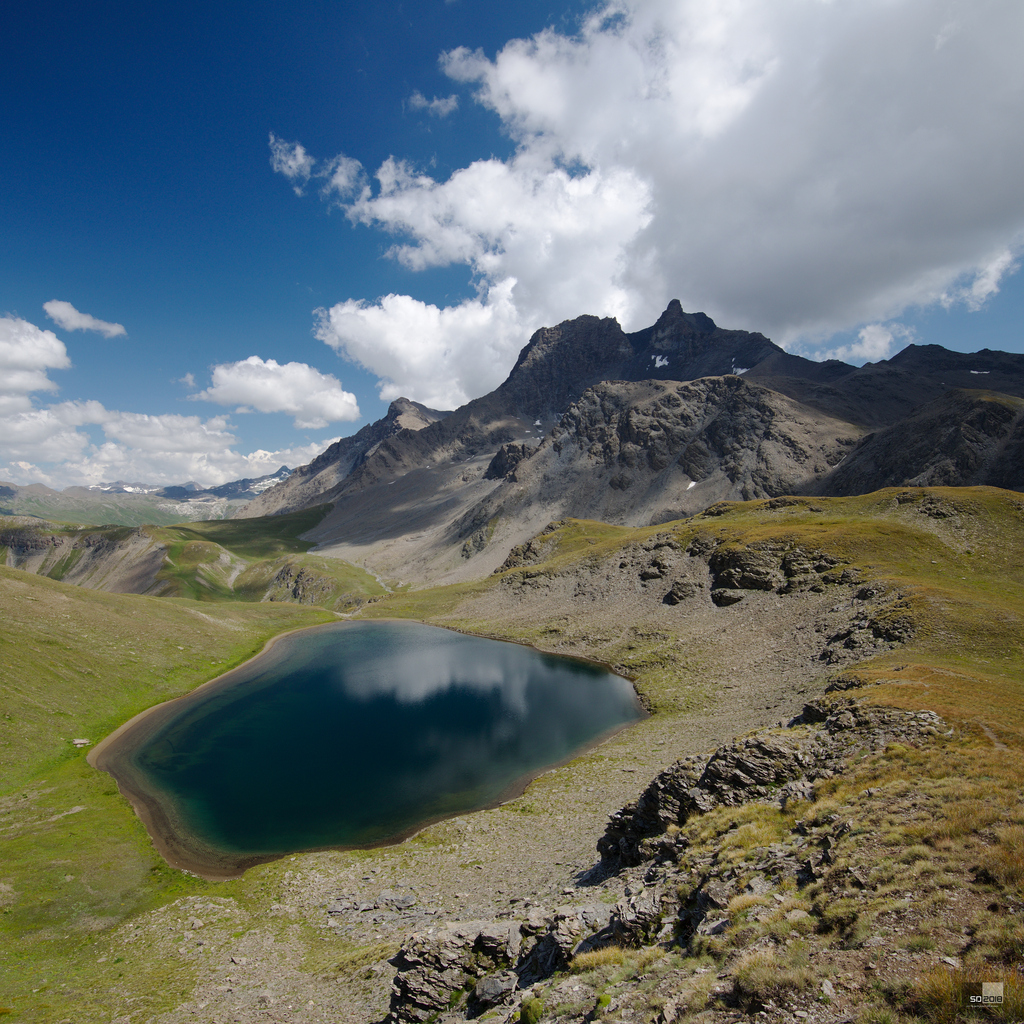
181	848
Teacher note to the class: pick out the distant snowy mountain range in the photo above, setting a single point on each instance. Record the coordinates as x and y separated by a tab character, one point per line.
242	489
134	504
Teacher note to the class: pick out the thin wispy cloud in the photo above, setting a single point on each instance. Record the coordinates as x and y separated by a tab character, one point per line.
437	107
874	342
291	160
65	316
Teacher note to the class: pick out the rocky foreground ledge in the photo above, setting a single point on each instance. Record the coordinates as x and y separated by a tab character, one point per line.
733	885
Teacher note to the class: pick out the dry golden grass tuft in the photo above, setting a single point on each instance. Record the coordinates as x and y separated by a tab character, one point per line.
940	994
763	976
1005	861
606	956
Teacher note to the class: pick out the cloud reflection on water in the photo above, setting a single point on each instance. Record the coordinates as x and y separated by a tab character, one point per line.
397	723
413	672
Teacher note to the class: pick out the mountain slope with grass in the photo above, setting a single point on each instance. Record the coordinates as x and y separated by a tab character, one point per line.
907	600
246	560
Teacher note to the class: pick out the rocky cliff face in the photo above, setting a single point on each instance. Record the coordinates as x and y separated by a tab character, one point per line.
121	560
962	439
642	453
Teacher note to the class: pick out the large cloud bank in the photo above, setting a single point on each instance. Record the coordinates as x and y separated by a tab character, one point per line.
799	168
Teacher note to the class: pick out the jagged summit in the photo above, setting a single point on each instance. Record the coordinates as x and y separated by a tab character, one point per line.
559	363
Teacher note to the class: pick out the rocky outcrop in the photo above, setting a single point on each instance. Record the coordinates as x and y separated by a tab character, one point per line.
300	584
673	894
534	550
781	568
778	767
507	457
467	967
442	964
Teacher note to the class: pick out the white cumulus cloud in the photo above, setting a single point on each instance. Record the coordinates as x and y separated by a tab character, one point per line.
440	357
313	398
26	353
518	233
798	168
49	446
83	442
49	435
65	316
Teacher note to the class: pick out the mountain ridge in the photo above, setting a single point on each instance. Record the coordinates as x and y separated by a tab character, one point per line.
410	502
556	366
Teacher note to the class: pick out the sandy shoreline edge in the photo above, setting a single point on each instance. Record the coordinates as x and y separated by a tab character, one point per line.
184	850
173	841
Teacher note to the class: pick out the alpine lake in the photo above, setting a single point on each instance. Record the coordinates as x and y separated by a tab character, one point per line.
354	734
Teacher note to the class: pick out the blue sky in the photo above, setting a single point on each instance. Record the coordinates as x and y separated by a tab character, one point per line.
297	212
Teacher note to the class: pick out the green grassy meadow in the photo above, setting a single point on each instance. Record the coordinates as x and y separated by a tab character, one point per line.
76	664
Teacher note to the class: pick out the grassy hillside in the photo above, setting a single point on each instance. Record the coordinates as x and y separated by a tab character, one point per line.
237	560
96	927
258	560
75	664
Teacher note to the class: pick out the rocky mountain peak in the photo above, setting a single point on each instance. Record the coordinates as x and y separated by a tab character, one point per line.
559	363
675	325
405	414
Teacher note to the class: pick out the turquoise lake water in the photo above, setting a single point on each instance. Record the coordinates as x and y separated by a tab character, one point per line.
356	733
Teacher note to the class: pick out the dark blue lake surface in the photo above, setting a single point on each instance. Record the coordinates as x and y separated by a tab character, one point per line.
356	733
